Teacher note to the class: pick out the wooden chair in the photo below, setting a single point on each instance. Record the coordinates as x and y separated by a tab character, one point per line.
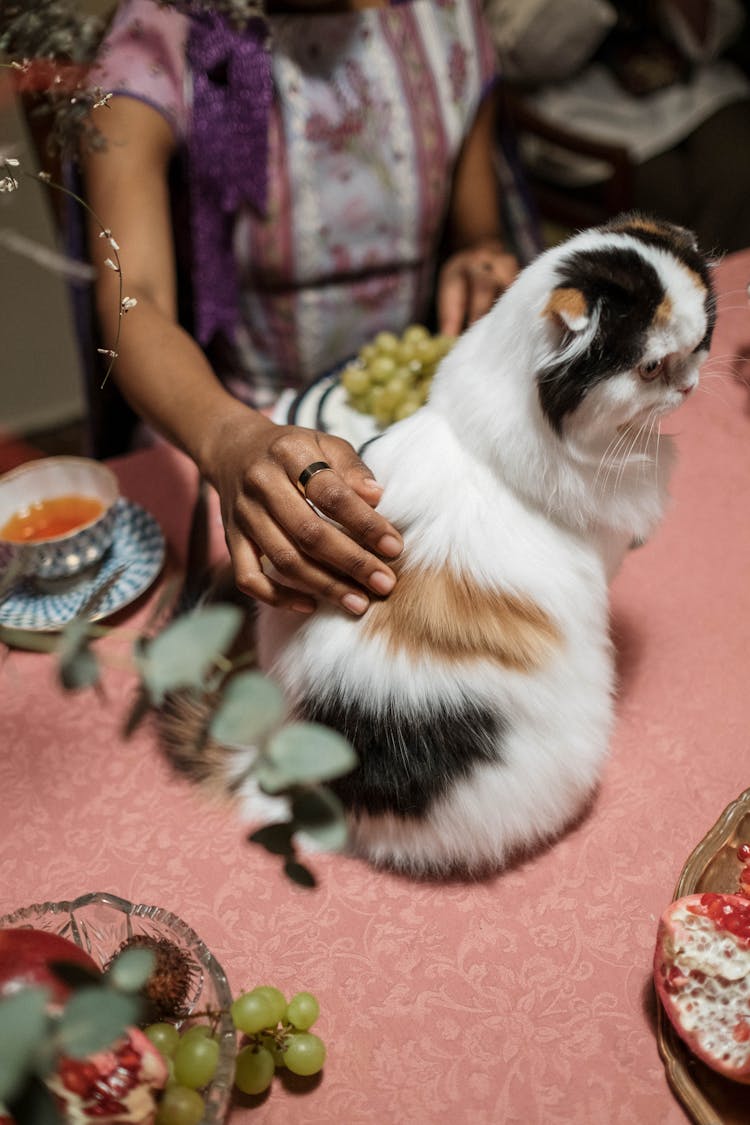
570	206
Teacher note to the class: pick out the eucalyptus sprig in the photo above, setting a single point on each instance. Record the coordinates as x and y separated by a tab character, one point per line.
8	183
293	761
35	1035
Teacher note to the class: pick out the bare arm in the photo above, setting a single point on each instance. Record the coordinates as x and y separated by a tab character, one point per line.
253	463
482	268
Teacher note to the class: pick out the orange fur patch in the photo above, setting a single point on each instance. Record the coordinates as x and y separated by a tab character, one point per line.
567	302
448	615
663	312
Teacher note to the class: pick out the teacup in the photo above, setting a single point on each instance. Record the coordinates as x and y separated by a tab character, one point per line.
41	497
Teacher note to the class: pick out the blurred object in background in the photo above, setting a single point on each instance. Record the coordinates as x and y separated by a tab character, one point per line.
621	105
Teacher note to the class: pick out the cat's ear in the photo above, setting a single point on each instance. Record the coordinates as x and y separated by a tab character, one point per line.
567	306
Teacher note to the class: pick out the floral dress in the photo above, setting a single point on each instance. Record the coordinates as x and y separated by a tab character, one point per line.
369	112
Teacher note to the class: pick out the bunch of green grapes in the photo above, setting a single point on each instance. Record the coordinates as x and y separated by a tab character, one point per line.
192	1058
277	1035
391	376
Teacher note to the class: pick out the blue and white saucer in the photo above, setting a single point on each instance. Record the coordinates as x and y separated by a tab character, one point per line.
137	550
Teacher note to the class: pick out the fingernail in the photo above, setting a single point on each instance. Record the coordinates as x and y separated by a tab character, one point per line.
381	582
355	603
390	545
372	485
302	607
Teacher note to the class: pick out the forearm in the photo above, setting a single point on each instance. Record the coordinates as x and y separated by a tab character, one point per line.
167	379
475	207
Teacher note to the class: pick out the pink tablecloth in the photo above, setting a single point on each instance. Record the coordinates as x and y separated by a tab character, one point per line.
525	998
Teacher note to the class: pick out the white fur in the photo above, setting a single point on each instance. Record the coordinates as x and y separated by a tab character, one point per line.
479	480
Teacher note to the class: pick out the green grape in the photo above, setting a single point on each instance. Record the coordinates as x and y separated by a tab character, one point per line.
305	1053
164	1037
276	1002
368	353
414	334
268	1040
198	1031
254	1011
405	409
381	368
356	380
386	342
195	1061
254	1070
302	1011
180	1106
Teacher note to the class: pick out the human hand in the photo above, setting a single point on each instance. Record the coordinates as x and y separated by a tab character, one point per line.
255	465
470	282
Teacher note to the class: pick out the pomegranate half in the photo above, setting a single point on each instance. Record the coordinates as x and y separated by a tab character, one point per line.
702	977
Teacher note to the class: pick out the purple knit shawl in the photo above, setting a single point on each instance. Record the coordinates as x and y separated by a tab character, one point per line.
227	157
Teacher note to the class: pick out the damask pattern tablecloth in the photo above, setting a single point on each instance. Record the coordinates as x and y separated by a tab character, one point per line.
522	998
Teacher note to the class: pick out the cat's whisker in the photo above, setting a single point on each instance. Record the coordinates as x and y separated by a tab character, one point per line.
609	458
621	472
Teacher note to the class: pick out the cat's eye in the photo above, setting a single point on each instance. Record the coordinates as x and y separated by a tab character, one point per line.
653	369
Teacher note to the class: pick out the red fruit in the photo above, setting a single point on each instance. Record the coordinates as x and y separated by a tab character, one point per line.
115	1085
25	957
702	976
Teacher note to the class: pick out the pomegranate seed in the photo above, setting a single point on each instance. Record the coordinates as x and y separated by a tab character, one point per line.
741	1032
743	853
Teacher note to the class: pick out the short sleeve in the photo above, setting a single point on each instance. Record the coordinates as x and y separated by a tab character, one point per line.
143	56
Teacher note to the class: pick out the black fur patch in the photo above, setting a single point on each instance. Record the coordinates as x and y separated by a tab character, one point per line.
627	290
406	760
680	243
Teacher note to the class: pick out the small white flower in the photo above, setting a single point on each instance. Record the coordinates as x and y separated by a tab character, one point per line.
11	162
111	265
21	65
128	303
102	99
105	233
44	177
113	244
108	352
8	183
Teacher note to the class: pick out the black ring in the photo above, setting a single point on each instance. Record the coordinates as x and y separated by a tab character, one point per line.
307	474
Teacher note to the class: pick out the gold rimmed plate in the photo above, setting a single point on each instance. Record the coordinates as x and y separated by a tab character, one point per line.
713	865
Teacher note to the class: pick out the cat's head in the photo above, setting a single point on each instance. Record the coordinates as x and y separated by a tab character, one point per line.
628	321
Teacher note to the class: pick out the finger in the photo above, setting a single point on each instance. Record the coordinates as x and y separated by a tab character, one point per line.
366	526
482	294
292	568
250	578
452	299
310	541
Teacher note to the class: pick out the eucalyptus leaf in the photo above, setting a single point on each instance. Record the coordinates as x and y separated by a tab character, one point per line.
180	656
72	637
79	670
310	752
270	779
35	1105
299	874
131	969
93	1019
319	814
251	706
23	1021
75	975
275	838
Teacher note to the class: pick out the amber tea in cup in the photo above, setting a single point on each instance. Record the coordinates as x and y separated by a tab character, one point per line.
46	519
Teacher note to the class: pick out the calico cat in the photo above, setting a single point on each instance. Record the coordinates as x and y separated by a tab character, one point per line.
478	696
